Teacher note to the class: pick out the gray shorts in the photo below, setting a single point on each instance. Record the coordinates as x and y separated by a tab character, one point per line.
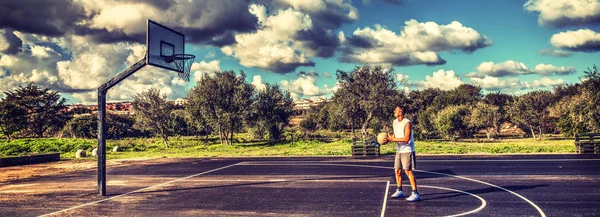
406	161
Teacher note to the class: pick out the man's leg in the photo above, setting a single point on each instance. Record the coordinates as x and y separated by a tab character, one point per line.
411	165
398	173
399	178
411	178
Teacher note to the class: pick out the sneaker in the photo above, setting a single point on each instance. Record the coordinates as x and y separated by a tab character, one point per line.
413	197
398	194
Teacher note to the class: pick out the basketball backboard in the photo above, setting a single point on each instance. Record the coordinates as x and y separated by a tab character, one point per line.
162	43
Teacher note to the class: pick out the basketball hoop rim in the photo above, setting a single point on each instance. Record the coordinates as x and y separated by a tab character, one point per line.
182	56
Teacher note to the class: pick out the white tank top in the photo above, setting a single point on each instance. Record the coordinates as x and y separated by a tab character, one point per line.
399	126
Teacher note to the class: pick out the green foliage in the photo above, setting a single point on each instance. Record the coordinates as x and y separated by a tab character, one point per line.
50	145
309	124
12	118
45	108
81	127
153	112
368	90
453	121
178	124
530	112
270	112
465	94
224	100
485	116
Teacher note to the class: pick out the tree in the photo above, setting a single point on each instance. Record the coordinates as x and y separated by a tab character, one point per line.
178	123
153	112
485	116
453	121
500	100
271	110
530	110
347	110
12	118
372	88
465	94
224	101
45	108
591	85
309	125
196	118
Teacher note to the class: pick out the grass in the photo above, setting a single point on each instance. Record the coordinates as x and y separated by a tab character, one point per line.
196	147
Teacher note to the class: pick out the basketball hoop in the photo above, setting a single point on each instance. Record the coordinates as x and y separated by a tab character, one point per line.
183	64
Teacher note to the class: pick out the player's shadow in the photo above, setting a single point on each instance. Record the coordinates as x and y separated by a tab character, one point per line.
479	192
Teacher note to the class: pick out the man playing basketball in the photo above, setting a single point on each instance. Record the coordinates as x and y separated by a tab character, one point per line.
405	154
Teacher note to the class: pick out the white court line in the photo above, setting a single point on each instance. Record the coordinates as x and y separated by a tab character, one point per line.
444	174
448	160
483	202
287	180
385	196
131	192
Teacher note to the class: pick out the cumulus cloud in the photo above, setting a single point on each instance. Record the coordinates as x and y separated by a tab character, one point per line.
417	43
326	74
305	87
74	65
258	83
512	84
442	79
204	68
9	42
272	47
514	68
563	13
204	21
547	69
585	40
508	68
554	53
290	33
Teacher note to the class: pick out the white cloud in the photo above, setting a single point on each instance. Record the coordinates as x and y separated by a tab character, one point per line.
512	84
89	66
554	53
273	46
508	68
326	74
546	82
547	69
131	17
257	81
305	87
417	43
514	68
341	9
562	13
204	68
580	40
42	52
442	79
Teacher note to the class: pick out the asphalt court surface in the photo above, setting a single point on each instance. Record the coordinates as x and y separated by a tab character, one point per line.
517	185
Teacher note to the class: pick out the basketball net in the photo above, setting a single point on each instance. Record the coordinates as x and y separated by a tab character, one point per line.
183	63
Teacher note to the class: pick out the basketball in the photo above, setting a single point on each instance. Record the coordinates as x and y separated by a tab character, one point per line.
381	138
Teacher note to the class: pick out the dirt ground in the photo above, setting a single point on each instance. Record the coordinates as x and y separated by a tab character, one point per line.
15	173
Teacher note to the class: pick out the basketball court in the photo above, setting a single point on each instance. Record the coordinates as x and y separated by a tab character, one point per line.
537	185
520	185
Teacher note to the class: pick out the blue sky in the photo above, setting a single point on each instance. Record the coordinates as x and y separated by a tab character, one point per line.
504	45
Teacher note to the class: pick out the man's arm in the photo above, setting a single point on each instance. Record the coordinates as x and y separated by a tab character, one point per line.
406	138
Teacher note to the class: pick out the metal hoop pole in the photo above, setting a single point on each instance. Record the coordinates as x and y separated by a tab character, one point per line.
102	90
